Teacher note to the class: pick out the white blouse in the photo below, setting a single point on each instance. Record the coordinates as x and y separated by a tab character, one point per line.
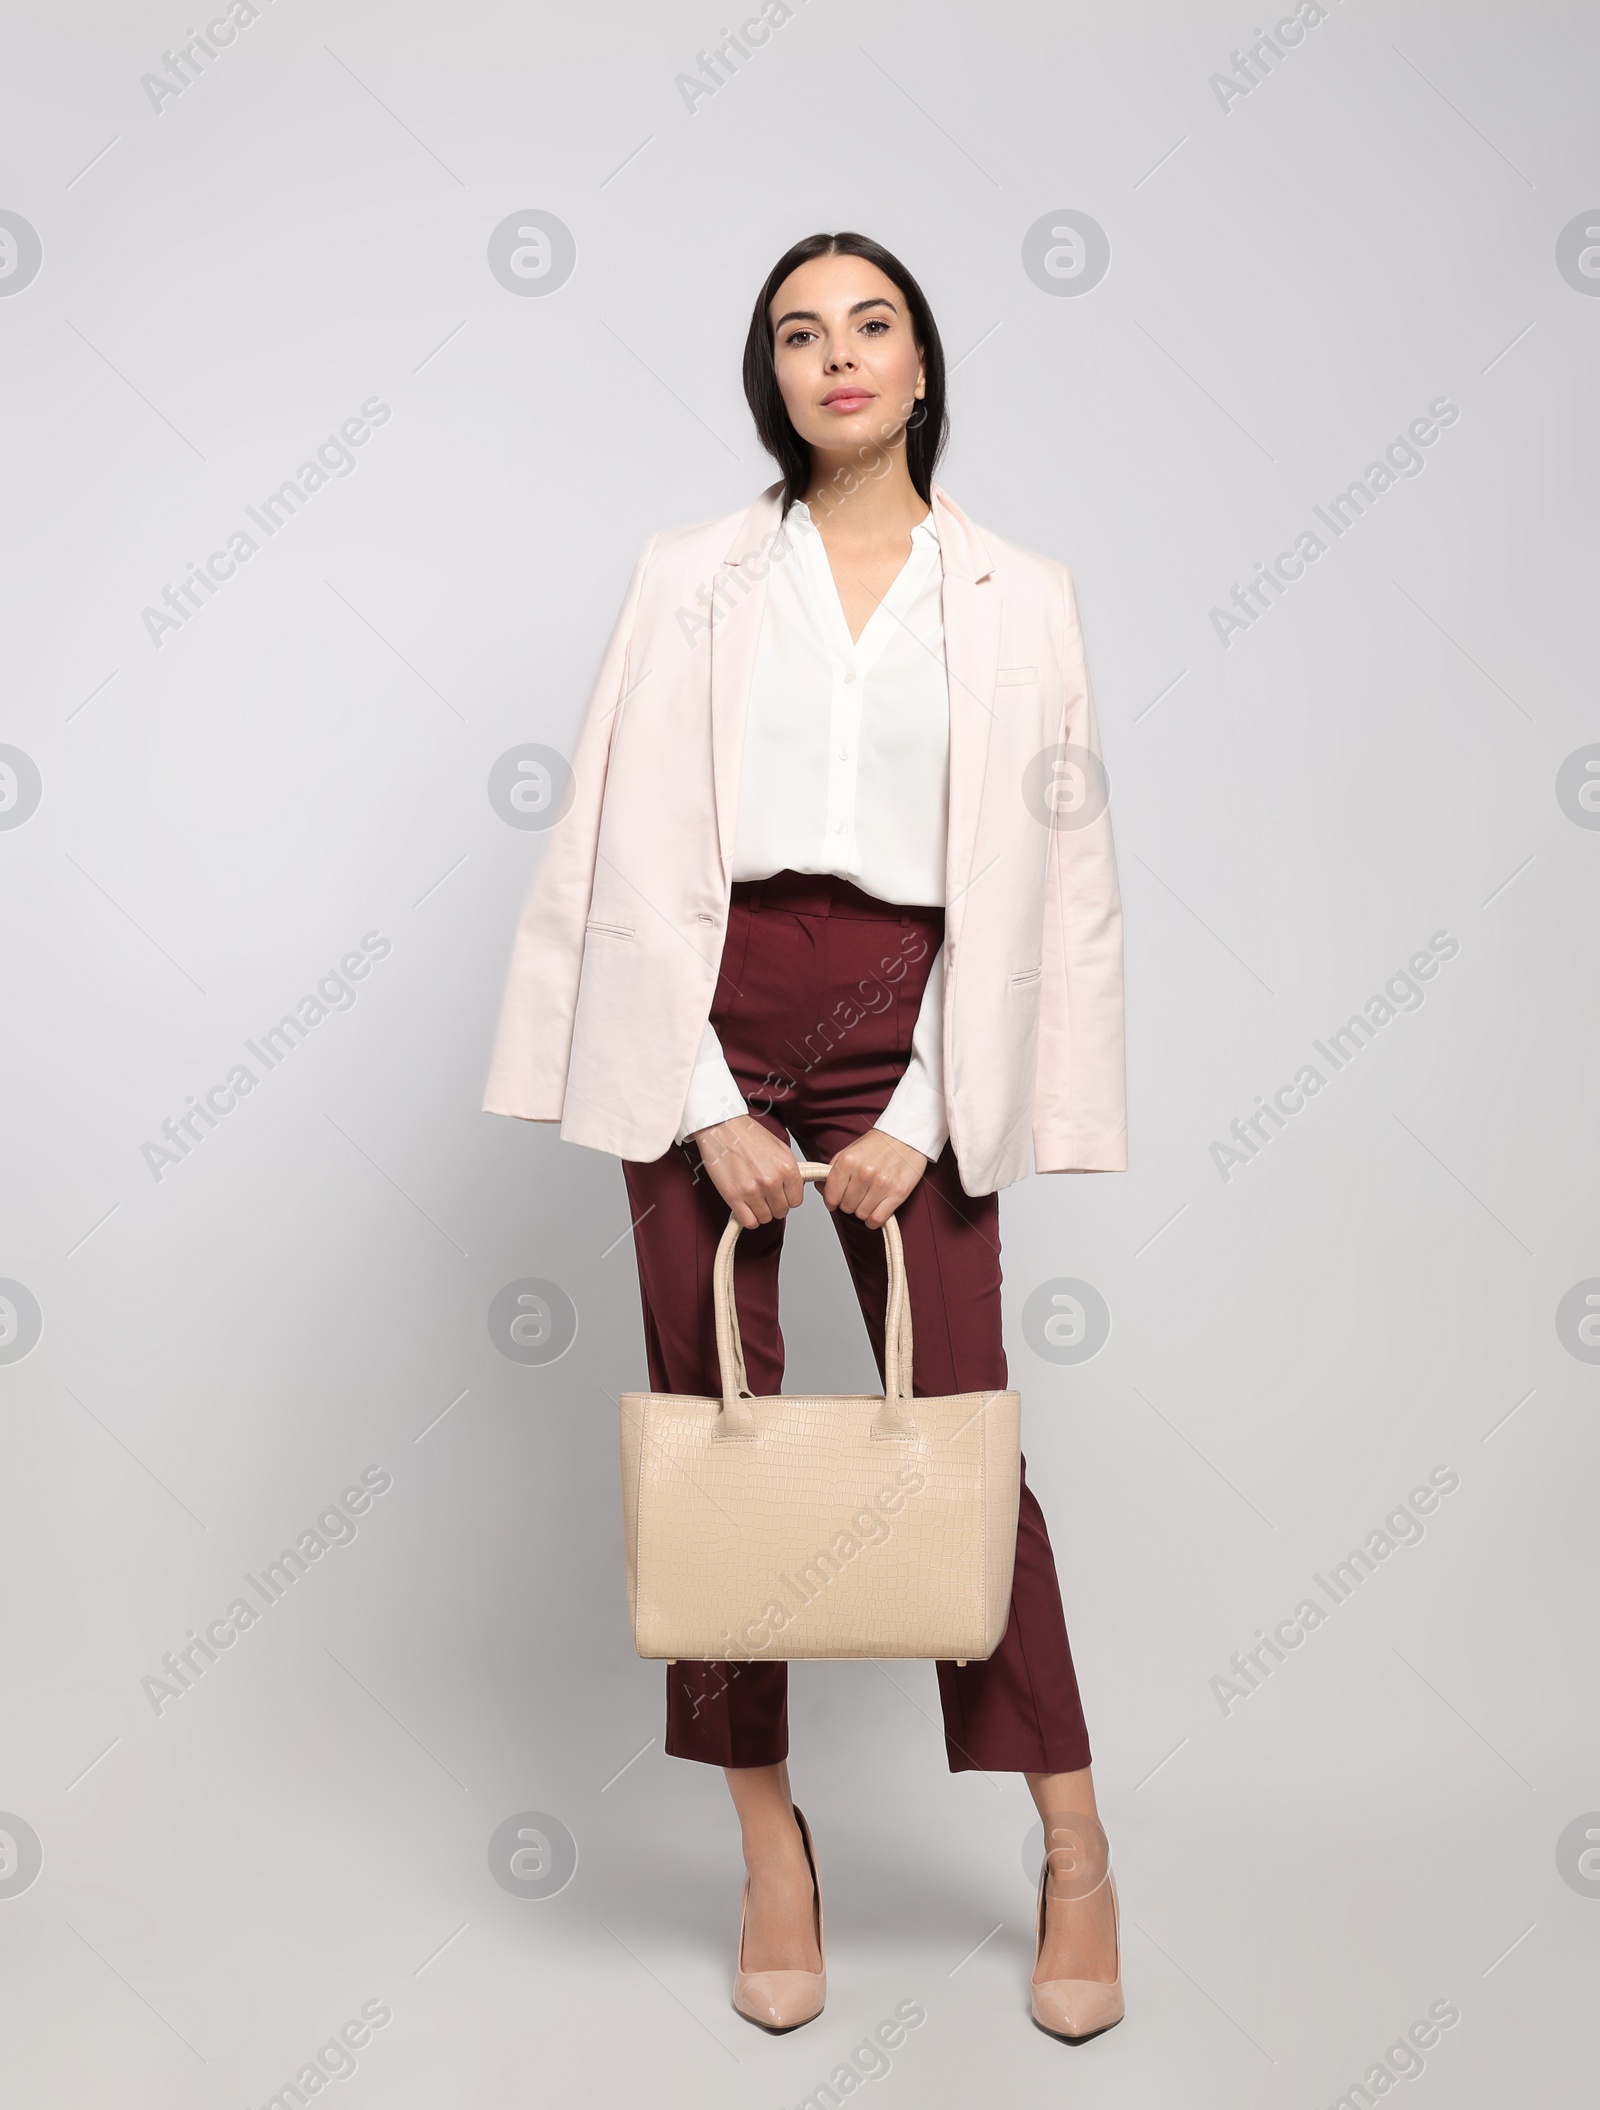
846	769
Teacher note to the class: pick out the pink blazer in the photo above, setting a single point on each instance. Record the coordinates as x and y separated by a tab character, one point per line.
615	960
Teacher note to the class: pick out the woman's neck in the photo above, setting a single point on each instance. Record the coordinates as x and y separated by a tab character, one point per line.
884	505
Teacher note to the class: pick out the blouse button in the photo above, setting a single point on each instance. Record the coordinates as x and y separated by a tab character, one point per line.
851	675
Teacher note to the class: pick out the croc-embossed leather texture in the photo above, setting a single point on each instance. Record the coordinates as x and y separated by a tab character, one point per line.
805	1525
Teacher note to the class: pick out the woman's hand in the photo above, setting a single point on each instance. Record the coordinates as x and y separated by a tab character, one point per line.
757	1175
872	1176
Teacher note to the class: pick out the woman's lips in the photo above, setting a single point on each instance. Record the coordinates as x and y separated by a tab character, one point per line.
847	399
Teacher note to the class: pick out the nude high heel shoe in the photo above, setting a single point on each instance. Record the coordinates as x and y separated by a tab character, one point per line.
1075	2009
780	2000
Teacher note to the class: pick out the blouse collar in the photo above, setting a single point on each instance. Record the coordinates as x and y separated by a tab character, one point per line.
924	535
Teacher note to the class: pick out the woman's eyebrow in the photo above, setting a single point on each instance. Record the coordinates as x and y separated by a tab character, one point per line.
857	308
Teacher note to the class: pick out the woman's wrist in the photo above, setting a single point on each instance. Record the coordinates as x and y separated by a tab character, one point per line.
710	1127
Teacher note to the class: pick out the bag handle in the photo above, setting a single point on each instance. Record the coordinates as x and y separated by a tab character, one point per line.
735	1419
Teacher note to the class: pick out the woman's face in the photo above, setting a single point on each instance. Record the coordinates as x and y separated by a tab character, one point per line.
847	364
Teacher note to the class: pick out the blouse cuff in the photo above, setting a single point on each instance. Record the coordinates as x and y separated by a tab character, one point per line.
915	1113
713	1094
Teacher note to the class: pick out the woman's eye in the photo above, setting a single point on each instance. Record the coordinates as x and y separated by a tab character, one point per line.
795	336
876	322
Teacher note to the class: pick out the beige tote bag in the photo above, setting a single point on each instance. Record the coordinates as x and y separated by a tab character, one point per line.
791	1526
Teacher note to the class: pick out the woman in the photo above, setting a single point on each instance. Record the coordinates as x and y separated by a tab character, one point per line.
836	865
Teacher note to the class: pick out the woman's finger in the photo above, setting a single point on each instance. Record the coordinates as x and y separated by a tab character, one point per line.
883	1208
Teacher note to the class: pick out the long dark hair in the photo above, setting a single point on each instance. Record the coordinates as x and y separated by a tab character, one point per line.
928	428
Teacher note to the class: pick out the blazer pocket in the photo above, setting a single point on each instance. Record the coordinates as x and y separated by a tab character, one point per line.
1006	677
610	930
1027	977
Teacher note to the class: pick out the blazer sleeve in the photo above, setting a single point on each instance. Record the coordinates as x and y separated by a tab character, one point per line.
533	1041
1080	1093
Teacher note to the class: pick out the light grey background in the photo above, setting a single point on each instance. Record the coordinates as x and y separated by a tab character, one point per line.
1293	1349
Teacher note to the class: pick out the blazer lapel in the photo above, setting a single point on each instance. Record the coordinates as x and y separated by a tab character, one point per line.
970	600
739	597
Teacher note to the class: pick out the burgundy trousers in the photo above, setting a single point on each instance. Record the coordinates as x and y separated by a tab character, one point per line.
816	1002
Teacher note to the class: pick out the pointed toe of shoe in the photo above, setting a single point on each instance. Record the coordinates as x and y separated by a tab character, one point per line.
1075	2008
780	1999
